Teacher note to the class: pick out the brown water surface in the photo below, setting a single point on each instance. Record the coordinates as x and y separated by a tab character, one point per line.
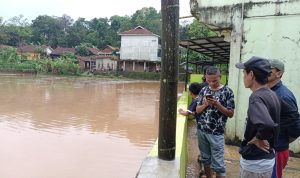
59	127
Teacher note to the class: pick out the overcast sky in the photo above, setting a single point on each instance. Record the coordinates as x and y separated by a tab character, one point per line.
88	9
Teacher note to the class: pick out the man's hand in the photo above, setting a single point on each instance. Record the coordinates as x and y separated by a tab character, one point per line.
261	144
212	101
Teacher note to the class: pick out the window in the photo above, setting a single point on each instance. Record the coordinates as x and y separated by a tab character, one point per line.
158	52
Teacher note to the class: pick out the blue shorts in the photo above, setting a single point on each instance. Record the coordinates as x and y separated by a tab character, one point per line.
212	151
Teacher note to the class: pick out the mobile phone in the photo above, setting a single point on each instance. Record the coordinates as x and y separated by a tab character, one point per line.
208	96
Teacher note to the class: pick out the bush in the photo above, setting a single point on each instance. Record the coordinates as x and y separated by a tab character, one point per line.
8	55
65	66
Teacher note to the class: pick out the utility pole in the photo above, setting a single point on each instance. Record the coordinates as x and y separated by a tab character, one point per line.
169	79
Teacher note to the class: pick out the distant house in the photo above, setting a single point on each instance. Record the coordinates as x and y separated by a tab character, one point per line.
109	50
58	52
5	46
33	52
100	60
109	58
88	62
140	50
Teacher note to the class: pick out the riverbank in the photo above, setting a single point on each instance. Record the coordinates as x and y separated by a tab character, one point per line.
232	158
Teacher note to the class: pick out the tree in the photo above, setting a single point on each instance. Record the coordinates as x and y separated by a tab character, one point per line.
8	55
149	18
199	30
119	24
18	21
15	31
82	49
183	30
66	23
76	34
46	30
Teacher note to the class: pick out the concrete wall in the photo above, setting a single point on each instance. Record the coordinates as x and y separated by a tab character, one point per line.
139	48
106	63
262	28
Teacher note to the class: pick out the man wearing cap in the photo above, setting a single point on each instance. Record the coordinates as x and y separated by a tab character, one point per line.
289	119
262	122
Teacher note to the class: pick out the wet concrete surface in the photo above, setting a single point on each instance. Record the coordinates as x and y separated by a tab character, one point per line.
231	158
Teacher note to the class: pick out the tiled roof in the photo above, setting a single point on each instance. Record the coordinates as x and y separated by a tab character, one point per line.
61	51
109	49
88	58
31	48
94	51
5	46
139	30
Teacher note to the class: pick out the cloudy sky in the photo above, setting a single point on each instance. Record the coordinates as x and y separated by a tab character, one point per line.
88	9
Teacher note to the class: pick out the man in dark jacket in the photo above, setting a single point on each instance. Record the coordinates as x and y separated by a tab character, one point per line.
289	119
263	116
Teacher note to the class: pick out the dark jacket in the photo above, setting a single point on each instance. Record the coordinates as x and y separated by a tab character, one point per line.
288	116
263	118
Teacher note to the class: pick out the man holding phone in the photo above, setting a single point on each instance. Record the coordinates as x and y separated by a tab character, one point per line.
215	105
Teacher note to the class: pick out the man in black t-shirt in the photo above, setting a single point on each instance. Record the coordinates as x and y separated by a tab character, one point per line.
262	122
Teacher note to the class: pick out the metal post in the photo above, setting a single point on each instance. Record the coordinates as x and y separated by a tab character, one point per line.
168	80
187	68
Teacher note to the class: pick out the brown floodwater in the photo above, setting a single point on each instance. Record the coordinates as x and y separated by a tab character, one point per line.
65	127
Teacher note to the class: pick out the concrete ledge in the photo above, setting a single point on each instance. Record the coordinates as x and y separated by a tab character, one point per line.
153	167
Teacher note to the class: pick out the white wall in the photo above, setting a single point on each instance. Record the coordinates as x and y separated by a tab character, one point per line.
143	48
266	28
279	39
105	62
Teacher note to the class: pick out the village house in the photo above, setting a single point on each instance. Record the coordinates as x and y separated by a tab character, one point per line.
59	52
34	52
109	58
254	28
88	62
140	50
5	46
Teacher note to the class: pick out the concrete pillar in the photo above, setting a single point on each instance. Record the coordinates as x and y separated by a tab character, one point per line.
133	66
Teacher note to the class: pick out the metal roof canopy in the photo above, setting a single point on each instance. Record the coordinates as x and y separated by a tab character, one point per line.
215	48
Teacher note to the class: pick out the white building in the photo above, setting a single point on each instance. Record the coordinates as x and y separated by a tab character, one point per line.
254	28
140	50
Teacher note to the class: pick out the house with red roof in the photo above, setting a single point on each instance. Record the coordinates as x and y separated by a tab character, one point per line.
109	58
140	50
100	60
5	46
33	52
59	51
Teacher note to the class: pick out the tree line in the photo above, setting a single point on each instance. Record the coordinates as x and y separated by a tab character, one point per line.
65	32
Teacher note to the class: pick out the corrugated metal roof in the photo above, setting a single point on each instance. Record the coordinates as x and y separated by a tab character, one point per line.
215	48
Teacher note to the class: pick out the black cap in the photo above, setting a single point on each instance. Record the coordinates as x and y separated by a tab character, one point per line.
257	65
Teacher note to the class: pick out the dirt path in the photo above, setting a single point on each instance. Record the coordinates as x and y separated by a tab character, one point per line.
231	158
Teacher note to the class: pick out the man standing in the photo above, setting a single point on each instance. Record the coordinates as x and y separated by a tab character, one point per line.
262	122
215	105
289	119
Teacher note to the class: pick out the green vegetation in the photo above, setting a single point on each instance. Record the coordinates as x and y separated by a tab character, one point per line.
66	32
81	34
11	62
